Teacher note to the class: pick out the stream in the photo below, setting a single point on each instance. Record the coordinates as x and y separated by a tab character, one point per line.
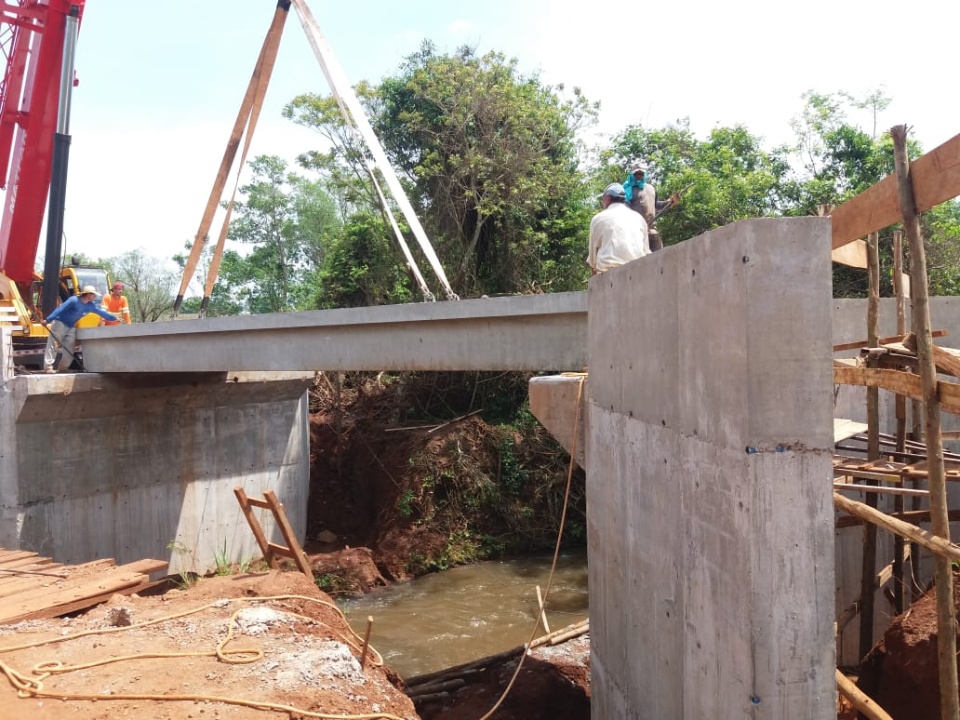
448	618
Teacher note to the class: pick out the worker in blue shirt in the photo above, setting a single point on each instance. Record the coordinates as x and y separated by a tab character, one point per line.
63	324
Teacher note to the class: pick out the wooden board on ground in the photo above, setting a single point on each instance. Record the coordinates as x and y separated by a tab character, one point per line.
34	587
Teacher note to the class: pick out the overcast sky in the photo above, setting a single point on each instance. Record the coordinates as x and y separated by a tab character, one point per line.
161	83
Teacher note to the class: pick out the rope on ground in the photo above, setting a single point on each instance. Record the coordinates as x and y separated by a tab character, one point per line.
556	551
32	686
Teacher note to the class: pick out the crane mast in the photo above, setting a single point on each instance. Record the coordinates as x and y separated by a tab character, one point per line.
34	38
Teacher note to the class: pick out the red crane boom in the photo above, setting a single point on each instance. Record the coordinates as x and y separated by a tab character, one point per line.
32	39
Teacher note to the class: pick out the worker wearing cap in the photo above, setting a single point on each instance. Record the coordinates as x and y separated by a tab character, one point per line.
642	197
617	234
63	324
116	303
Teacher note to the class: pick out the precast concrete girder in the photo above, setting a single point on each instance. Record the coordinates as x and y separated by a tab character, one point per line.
523	333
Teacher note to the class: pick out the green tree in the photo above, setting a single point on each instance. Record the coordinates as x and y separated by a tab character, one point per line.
360	270
226	296
149	284
725	178
840	160
288	220
490	159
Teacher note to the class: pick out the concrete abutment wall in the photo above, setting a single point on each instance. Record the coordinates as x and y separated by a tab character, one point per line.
708	446
133	467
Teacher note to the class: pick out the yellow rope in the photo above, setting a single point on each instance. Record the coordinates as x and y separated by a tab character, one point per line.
27	686
556	551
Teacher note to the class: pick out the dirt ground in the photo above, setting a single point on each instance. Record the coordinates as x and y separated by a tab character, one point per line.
900	673
286	652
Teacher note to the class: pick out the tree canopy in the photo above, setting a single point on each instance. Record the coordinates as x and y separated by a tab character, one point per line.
492	162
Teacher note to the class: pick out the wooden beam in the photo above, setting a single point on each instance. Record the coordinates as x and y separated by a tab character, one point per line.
936	178
883	341
934	543
894	380
859	699
852	255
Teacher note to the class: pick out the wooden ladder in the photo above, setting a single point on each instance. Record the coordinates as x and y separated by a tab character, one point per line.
272	550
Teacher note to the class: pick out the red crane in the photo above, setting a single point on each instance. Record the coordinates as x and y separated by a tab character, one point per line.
33	37
38	41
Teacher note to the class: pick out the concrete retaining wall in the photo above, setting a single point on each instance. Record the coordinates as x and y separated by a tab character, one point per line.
132	467
708	451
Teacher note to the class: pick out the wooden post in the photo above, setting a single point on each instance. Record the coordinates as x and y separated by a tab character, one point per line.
901	414
543	612
366	641
946	620
869	567
901	401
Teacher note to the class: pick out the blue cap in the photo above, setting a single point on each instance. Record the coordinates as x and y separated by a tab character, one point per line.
615	190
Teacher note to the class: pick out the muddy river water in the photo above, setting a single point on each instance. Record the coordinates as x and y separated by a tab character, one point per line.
452	617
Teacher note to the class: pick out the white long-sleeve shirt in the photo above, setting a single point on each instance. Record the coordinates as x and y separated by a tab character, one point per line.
617	236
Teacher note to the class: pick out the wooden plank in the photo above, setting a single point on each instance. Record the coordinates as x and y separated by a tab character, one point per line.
288	534
31	585
84	603
8	555
894	380
947	360
936	178
949	394
46	568
882	341
22	562
852	254
281	550
146	566
255	526
64	590
70	598
843	429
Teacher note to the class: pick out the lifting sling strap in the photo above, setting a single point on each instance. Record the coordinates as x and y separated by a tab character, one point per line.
246	119
346	98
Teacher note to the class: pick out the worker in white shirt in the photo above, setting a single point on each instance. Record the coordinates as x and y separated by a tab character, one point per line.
617	233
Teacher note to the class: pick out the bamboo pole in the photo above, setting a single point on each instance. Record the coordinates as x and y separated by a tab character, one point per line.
901	402
868	570
366	641
946	619
543	612
901	415
934	543
861	701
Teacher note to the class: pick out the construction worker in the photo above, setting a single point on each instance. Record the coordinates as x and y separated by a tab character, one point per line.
642	197
116	303
62	324
617	234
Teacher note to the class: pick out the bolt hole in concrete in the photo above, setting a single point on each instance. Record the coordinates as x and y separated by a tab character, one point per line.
448	618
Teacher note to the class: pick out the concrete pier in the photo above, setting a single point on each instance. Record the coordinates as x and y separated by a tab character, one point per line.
708	431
